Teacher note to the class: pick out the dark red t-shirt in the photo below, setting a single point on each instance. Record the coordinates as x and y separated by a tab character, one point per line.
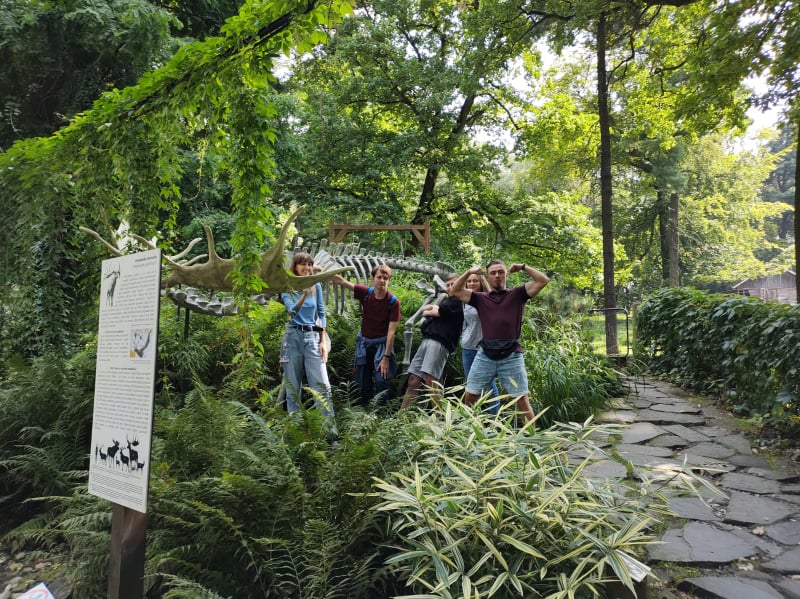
376	313
500	312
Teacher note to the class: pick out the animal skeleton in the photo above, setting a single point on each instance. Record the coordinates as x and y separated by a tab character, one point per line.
335	258
214	272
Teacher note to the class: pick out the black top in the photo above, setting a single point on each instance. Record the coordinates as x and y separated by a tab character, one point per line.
446	329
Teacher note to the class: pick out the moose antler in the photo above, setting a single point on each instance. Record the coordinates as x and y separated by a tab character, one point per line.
214	272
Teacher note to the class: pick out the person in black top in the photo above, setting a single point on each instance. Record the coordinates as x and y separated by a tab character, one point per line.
441	332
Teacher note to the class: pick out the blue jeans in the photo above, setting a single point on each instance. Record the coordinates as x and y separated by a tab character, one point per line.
300	355
467	357
367	375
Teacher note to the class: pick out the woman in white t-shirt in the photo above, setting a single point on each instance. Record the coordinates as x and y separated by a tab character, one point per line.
471	335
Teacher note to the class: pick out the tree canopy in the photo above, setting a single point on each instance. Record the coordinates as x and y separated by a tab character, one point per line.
386	112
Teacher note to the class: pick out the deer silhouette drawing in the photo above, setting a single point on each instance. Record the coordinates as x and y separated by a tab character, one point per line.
113	277
111	452
132	453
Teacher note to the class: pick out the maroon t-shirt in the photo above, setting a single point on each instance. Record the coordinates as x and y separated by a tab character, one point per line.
376	313
500	312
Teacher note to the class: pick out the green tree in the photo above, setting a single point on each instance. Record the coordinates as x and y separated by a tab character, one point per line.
758	38
391	105
781	183
120	162
725	234
58	57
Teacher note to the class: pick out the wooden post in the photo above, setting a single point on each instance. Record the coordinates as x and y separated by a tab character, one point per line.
126	567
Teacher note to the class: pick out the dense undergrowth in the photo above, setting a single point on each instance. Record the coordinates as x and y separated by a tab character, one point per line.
742	350
247	501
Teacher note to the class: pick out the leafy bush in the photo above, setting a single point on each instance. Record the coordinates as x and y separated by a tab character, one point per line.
272	510
567	381
266	510
485	510
45	425
744	349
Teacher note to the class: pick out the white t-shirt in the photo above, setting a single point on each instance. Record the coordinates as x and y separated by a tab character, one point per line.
471	333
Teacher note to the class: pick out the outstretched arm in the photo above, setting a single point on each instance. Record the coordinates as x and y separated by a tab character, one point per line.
538	278
459	290
340	280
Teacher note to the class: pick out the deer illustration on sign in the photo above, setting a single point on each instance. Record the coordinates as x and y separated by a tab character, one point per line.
132	453
118	456
112	277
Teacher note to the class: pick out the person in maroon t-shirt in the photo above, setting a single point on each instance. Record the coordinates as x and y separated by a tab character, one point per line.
500	312
375	364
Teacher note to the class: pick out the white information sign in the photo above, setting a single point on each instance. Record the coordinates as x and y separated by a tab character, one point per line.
125	379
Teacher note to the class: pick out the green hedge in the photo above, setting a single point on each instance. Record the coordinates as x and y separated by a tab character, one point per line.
741	348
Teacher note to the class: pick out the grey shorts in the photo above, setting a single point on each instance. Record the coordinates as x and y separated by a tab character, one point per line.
430	359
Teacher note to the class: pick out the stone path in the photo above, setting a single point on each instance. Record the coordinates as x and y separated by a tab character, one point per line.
742	543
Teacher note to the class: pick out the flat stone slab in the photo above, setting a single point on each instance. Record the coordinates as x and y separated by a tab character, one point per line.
713	431
691	434
752	509
738	442
749	461
692	508
649	415
678	407
727	587
641	431
779	475
654	462
786	532
749	483
787	562
653	393
624	449
665	388
710	450
790	588
701	462
792	499
641	403
669	441
605	469
616	417
699	543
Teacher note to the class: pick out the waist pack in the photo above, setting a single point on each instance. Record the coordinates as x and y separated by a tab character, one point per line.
497	349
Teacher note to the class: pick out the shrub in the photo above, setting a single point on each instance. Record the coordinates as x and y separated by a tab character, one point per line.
742	349
484	510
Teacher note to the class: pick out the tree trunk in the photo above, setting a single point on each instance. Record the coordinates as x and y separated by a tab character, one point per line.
796	204
663	234
674	240
609	290
424	212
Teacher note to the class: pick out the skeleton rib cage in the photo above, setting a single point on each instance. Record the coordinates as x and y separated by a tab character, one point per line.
327	256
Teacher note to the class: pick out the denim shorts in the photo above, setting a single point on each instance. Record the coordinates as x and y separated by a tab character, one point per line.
510	371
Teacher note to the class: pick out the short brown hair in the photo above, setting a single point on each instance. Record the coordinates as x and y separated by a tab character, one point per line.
384	268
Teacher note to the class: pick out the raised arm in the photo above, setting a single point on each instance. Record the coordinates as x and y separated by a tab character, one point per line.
340	280
538	278
459	290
